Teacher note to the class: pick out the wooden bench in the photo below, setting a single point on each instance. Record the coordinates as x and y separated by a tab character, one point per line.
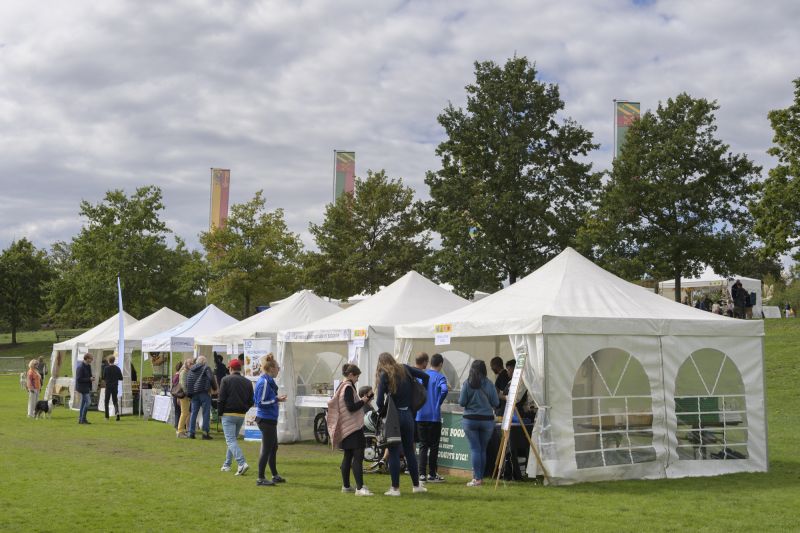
66	334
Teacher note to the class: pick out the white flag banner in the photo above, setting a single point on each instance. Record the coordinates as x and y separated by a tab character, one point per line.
121	341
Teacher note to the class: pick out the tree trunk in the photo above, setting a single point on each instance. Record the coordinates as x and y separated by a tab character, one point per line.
246	305
678	287
512	277
13	333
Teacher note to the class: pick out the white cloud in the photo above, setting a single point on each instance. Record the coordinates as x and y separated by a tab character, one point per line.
95	96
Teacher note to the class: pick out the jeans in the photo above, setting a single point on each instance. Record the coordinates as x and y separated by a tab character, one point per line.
407	435
86	400
478	432
231	425
429	436
201	400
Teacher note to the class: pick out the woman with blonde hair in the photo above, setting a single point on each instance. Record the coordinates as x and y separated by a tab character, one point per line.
34	385
266	400
395	380
186	402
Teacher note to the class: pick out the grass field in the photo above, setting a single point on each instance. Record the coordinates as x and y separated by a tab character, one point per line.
135	476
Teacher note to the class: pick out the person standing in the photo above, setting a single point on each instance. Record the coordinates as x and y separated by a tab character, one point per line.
176	402
429	421
41	368
395	380
83	386
346	427
200	385
478	398
112	376
266	400
501	382
220	370
186	402
34	385
235	399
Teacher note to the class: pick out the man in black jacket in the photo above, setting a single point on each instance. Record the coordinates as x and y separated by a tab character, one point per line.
200	383
83	386
235	399
112	375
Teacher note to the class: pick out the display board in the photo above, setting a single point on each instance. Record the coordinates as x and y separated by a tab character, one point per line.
453	446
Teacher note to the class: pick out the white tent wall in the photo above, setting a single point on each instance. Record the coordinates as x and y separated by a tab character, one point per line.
747	356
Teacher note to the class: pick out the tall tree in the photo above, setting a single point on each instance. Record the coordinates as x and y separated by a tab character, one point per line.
777	212
123	235
24	273
676	197
512	189
368	239
253	258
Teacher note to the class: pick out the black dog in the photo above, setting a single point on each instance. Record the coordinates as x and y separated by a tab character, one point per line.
43	409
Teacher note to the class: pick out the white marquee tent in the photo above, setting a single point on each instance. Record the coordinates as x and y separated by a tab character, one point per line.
300	308
628	384
312	356
711	281
75	348
181	337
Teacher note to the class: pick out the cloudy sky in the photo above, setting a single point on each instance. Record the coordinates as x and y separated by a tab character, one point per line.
114	95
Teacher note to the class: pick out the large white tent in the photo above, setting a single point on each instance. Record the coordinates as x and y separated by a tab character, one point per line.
75	348
628	384
312	356
708	282
300	308
181	337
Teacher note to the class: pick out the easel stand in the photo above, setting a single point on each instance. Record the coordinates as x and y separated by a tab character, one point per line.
501	456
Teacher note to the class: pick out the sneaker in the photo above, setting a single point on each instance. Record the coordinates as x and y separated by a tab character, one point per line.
191	435
392	492
264	483
87	422
183	436
348	490
475	483
206	436
243	468
422	480
278	479
225	468
364	491
419	489
435	478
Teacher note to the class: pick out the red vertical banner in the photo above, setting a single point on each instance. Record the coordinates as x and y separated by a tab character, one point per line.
220	189
344	175
625	114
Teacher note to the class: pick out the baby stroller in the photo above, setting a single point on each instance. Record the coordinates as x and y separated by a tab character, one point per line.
376	448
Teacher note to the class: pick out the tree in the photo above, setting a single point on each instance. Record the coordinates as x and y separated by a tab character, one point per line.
254	257
122	236
676	197
512	190
777	212
369	238
24	273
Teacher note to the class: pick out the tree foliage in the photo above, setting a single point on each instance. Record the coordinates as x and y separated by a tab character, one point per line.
777	212
123	235
676	198
253	259
513	188
368	239
24	273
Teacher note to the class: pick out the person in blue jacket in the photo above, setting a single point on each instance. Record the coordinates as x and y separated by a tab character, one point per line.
478	398
429	421
266	400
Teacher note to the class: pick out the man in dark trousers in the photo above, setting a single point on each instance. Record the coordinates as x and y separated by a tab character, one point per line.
429	421
112	376
200	383
235	399
83	386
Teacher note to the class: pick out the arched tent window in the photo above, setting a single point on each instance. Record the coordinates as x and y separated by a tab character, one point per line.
710	408
612	411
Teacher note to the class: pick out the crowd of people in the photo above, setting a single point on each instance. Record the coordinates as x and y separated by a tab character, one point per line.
406	424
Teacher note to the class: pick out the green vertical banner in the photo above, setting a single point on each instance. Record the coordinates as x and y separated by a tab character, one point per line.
344	175
625	114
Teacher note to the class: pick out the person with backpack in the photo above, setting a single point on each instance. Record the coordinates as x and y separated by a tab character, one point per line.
396	385
346	427
200	383
266	400
429	421
478	398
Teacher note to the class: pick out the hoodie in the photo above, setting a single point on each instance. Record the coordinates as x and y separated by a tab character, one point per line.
437	392
265	398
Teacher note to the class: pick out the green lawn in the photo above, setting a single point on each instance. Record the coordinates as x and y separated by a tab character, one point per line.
135	476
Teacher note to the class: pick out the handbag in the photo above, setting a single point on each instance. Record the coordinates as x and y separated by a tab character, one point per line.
419	394
177	391
390	428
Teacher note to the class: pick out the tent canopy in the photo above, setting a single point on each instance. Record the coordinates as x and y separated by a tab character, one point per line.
706	279
570	294
300	308
180	338
409	298
107	328
150	325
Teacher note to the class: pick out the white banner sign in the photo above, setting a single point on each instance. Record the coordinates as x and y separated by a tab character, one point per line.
254	350
441	339
508	414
